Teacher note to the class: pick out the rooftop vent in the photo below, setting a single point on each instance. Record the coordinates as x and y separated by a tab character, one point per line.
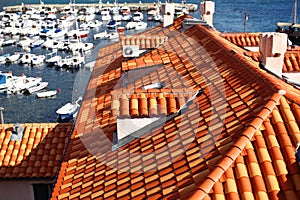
194	21
17	132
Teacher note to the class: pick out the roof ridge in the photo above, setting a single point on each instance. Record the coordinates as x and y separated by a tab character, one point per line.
207	184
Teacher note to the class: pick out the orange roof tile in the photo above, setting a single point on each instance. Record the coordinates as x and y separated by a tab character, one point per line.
242	39
236	139
37	155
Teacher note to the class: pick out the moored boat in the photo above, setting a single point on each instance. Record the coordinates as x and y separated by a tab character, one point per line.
46	94
68	111
292	29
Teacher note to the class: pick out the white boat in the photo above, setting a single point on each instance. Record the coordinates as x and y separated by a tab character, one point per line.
80	46
138	16
111	24
72	61
46	94
56	33
141	25
126	17
9	42
37	43
101	35
32	59
68	111
158	18
130	25
13	58
39	86
77	33
52	58
7	80
25	42
106	17
112	36
20	86
125	10
117	17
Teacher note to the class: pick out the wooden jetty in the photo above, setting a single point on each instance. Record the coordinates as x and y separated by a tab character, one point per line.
133	6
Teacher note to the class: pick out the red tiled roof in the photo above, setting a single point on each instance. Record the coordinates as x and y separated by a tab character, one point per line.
37	155
242	39
291	58
237	139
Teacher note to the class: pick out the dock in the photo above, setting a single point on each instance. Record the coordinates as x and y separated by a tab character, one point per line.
133	6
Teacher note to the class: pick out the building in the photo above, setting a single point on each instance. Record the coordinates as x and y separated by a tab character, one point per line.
180	112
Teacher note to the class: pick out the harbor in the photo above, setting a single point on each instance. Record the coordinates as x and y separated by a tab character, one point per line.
133	6
57	42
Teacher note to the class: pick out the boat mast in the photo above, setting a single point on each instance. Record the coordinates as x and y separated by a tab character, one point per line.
295	11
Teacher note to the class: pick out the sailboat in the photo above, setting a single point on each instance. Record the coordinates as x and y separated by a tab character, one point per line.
291	28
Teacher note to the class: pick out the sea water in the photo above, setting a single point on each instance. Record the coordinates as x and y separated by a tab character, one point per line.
229	16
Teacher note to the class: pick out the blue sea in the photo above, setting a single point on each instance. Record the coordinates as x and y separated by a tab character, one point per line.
229	17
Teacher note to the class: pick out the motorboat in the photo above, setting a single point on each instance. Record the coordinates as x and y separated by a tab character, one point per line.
37	43
90	24
125	10
52	58
32	59
111	25
112	36
75	60
12	58
80	46
101	35
68	112
25	42
77	33
46	94
117	17
158	18
138	16
39	86
141	25
126	17
7	80
130	25
9	42
20	86
106	17
56	33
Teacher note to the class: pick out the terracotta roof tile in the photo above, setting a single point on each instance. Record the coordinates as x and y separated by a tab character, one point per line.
37	155
242	39
236	140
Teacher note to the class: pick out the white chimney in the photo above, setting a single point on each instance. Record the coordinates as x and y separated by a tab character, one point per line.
272	47
207	9
167	11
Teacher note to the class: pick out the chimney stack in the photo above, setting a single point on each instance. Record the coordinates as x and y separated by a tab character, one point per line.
168	11
272	47
207	9
120	31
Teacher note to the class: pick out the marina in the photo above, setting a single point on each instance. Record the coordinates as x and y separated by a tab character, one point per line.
56	46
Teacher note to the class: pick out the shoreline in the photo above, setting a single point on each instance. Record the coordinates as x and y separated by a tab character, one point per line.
132	6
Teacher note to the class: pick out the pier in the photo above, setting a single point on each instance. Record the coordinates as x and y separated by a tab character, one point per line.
133	6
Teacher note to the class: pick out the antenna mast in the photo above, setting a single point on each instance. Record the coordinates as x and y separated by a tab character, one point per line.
295	11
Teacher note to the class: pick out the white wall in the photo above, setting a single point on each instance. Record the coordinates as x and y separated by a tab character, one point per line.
16	190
